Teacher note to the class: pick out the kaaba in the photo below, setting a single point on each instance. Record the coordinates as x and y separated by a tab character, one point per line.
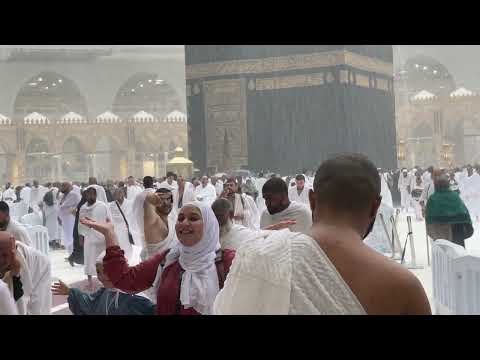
285	108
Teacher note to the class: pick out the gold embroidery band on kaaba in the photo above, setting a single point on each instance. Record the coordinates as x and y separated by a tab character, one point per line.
291	62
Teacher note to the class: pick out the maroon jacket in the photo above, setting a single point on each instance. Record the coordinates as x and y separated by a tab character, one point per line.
135	279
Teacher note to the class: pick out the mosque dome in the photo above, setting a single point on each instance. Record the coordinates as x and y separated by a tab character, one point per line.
425	73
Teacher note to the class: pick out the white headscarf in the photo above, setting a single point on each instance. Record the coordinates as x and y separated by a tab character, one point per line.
101	195
200	280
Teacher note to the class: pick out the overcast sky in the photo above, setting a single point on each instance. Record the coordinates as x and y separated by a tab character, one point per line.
463	61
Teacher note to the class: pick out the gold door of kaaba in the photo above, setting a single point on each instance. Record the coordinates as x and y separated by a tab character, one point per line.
225	112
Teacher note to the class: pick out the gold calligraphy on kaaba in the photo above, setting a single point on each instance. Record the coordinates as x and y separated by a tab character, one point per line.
285	82
291	62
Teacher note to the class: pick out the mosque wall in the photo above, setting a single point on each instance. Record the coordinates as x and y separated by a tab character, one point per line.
129	148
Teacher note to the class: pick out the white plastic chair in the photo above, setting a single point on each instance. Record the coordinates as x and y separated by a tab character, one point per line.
19	209
40	239
456	277
31	219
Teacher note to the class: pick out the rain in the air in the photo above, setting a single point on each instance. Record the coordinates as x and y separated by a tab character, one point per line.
239	179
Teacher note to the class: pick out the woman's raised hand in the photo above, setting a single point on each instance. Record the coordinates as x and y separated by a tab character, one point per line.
103	228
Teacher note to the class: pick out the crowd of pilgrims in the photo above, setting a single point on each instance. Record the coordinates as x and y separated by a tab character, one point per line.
263	244
411	188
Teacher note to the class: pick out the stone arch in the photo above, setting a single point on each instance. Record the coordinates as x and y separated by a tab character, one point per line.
50	94
38	164
146	155
147	92
422	130
74	161
421	146
107	158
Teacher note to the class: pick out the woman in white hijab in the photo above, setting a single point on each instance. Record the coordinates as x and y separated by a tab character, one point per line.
187	277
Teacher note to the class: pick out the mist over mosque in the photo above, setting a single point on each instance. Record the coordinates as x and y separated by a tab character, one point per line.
235	179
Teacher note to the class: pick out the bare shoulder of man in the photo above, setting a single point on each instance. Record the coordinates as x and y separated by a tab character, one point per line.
405	290
416	299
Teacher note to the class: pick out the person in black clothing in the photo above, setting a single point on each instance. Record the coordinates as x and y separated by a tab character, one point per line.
77	256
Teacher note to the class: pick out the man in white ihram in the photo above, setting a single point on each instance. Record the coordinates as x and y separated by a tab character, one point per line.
205	192
132	188
218	185
9	195
172	184
233	235
404	185
186	193
66	213
25	193
244	208
138	209
27	274
280	208
330	271
378	238
101	194
36	196
121	211
94	242
471	193
259	182
299	193
8	224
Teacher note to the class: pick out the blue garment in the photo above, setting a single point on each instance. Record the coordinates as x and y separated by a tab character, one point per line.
105	302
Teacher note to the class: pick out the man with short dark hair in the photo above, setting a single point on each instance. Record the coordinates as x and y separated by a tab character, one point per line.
299	193
233	235
148	182
280	208
159	226
154	224
13	227
172	184
245	211
170	181
330	271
